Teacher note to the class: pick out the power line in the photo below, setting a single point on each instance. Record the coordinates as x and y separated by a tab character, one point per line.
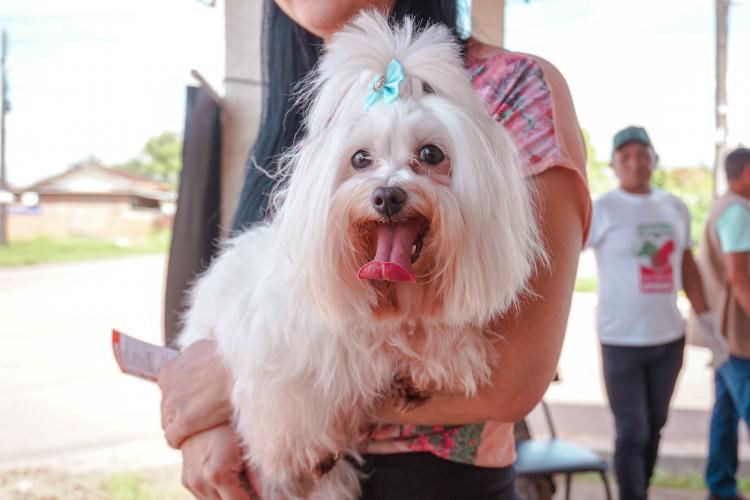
722	27
3	110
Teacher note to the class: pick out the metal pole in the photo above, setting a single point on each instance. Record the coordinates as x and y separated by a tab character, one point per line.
722	28
3	111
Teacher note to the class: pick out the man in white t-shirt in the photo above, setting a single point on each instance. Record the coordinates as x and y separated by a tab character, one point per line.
641	238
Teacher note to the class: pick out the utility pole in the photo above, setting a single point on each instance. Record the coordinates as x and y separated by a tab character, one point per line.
3	111
722	28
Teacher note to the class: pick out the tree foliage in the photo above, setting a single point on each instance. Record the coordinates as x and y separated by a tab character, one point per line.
601	178
694	186
160	159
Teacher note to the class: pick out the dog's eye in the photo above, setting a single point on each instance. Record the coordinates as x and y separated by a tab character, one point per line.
360	159
431	154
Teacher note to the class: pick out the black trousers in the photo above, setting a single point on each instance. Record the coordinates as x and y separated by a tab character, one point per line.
640	382
424	476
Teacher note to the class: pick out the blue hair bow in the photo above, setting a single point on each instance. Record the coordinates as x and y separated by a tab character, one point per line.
385	87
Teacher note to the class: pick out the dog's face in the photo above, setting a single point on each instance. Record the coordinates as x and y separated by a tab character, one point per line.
412	208
393	186
395	215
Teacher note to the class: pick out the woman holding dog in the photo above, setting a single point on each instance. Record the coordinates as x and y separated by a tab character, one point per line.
450	446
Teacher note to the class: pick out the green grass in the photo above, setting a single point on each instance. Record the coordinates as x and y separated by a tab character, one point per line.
683	480
22	253
124	487
130	486
163	483
690	480
155	483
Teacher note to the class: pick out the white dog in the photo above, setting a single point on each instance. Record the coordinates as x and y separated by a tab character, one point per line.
403	229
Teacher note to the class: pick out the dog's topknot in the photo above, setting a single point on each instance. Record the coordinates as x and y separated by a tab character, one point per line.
369	42
429	54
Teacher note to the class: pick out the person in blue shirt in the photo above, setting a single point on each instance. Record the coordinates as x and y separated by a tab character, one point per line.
725	266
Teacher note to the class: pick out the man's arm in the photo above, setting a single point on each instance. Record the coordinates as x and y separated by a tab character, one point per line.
692	283
532	337
738	274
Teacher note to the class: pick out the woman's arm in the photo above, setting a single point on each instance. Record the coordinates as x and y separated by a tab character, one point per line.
532	338
738	272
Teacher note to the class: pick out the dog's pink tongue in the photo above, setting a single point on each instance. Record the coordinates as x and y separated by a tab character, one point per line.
392	260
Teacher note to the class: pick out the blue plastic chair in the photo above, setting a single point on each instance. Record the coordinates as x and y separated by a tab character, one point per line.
549	457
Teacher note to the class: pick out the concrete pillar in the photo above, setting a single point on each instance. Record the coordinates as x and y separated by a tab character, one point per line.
242	101
487	21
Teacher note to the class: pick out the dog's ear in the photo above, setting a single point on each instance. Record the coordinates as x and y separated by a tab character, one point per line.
499	244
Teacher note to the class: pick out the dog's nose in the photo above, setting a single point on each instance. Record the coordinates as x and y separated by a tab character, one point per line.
388	201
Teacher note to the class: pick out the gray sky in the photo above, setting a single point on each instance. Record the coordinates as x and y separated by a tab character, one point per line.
644	62
100	77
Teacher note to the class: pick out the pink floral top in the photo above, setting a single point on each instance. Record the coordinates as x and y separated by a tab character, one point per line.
530	98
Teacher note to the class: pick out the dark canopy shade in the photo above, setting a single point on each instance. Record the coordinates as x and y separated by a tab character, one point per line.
195	234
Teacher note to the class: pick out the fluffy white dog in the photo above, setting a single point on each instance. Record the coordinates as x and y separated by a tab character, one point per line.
403	228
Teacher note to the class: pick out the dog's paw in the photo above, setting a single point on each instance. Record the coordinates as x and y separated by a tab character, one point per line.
407	395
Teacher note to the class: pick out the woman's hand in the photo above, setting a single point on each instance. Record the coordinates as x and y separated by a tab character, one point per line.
213	468
195	388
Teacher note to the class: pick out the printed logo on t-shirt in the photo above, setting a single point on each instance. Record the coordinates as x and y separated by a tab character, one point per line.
657	246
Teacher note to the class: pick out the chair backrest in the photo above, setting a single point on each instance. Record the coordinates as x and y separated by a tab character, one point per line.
548	418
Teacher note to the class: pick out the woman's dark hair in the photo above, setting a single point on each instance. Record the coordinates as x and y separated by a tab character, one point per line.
289	52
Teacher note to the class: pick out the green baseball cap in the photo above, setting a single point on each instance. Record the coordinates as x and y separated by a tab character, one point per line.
630	134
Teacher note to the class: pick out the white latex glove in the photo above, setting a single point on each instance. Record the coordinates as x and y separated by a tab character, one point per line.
714	340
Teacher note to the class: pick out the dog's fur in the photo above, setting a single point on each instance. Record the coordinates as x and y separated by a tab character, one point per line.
312	347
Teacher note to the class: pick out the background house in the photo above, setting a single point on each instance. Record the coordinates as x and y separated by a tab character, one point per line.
91	201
